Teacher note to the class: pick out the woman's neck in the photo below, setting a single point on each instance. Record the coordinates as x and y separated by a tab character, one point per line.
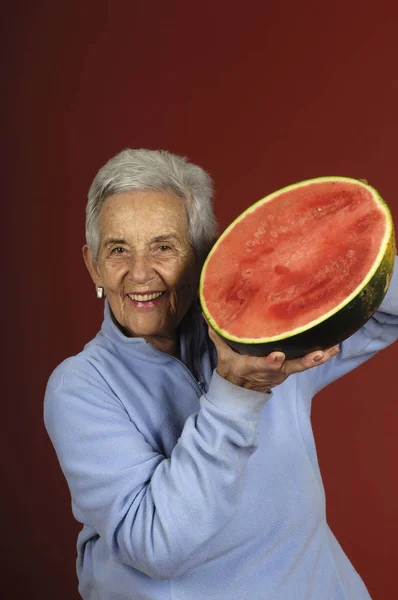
165	344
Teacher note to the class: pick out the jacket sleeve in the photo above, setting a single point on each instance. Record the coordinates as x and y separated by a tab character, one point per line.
379	332
157	514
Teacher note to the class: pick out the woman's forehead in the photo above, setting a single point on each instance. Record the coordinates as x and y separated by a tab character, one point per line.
144	214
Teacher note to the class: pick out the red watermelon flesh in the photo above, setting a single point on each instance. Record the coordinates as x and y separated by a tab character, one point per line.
294	258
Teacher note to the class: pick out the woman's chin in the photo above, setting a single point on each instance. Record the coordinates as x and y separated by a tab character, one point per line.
151	325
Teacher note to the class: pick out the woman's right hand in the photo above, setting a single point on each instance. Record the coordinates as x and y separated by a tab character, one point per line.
263	373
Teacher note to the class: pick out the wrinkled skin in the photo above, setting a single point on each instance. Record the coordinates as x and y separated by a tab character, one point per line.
144	249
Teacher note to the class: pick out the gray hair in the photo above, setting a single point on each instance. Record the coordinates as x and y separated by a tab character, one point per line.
155	170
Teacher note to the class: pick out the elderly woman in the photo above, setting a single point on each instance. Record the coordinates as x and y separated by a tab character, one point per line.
192	469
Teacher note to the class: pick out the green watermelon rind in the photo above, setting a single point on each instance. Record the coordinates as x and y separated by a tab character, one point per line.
339	323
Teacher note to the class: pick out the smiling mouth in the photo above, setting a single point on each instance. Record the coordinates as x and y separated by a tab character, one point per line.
145	297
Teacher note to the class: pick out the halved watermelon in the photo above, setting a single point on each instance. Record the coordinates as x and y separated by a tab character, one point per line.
300	270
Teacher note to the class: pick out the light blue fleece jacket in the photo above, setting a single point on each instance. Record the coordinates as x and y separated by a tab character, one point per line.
190	488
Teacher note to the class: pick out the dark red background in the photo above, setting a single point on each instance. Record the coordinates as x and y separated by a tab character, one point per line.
261	94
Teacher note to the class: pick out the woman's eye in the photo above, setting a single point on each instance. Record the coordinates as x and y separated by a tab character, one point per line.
118	250
164	248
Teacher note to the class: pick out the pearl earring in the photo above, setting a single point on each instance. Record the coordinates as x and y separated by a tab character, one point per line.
100	292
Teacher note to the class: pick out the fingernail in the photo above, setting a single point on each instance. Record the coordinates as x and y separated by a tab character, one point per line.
279	358
317	357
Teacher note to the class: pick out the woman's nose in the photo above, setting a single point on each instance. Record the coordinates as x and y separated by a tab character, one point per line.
140	269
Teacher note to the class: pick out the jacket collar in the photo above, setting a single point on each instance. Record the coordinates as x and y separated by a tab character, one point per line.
192	332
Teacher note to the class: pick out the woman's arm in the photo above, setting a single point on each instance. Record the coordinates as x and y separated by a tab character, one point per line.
378	333
157	514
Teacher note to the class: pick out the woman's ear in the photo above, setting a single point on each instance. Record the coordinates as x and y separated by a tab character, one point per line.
92	265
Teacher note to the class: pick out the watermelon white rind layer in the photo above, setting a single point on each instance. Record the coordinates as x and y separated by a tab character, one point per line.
335	325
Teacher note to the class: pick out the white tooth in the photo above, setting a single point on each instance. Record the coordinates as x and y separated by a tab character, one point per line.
145	297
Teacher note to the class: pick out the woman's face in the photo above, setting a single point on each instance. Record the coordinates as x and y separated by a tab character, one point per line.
146	264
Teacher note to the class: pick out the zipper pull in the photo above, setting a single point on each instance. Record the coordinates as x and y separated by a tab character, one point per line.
201	386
